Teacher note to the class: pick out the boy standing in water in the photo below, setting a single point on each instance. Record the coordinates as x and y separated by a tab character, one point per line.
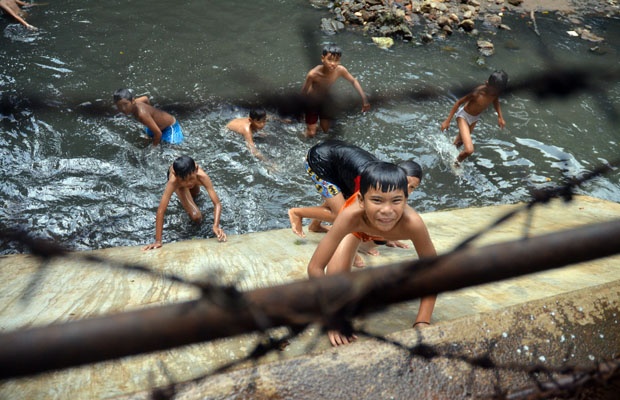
185	179
378	210
317	84
246	127
468	109
159	125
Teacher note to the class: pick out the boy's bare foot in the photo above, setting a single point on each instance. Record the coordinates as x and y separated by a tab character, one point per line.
358	261
338	339
456	168
296	224
316	226
368	248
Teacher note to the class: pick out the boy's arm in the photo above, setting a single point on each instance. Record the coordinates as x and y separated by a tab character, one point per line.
217	206
498	110
328	245
424	247
159	218
305	89
17	17
420	237
249	142
347	75
147	120
445	124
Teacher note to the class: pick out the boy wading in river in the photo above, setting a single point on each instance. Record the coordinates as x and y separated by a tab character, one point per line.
316	89
467	110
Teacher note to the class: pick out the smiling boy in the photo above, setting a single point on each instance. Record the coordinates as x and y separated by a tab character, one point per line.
378	210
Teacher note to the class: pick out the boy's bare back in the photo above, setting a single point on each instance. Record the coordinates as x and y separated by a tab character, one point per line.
240	126
147	114
480	99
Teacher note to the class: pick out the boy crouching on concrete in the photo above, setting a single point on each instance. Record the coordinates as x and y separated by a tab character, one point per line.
378	210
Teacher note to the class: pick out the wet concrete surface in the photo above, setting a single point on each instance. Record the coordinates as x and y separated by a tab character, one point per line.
72	288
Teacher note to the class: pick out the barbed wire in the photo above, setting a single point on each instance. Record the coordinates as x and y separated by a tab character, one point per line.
337	315
554	82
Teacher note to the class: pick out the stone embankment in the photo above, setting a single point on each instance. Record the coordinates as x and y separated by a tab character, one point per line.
427	20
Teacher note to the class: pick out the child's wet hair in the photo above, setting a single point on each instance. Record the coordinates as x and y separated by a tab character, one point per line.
258	114
126	94
498	80
183	166
412	169
383	176
333	50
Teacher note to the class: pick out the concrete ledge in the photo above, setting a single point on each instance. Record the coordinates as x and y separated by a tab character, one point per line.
470	319
574	329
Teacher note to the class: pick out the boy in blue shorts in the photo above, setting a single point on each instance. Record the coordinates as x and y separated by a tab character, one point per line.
159	125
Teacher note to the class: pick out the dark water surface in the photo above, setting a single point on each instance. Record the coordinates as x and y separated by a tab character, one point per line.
76	171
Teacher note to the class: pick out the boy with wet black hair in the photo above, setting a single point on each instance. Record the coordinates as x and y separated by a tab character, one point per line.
159	125
378	210
247	127
413	170
316	88
185	179
414	174
333	165
468	109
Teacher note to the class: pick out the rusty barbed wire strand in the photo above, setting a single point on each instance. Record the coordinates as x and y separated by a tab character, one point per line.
56	346
556	82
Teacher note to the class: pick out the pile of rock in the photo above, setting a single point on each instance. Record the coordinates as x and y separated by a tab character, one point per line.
399	18
431	19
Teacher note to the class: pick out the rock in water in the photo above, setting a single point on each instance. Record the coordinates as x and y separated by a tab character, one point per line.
383	42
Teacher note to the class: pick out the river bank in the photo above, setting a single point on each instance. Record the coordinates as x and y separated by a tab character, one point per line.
429	20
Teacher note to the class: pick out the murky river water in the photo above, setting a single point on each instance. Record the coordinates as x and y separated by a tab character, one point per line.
77	171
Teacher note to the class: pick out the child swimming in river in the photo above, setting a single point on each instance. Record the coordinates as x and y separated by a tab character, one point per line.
467	110
160	125
247	127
